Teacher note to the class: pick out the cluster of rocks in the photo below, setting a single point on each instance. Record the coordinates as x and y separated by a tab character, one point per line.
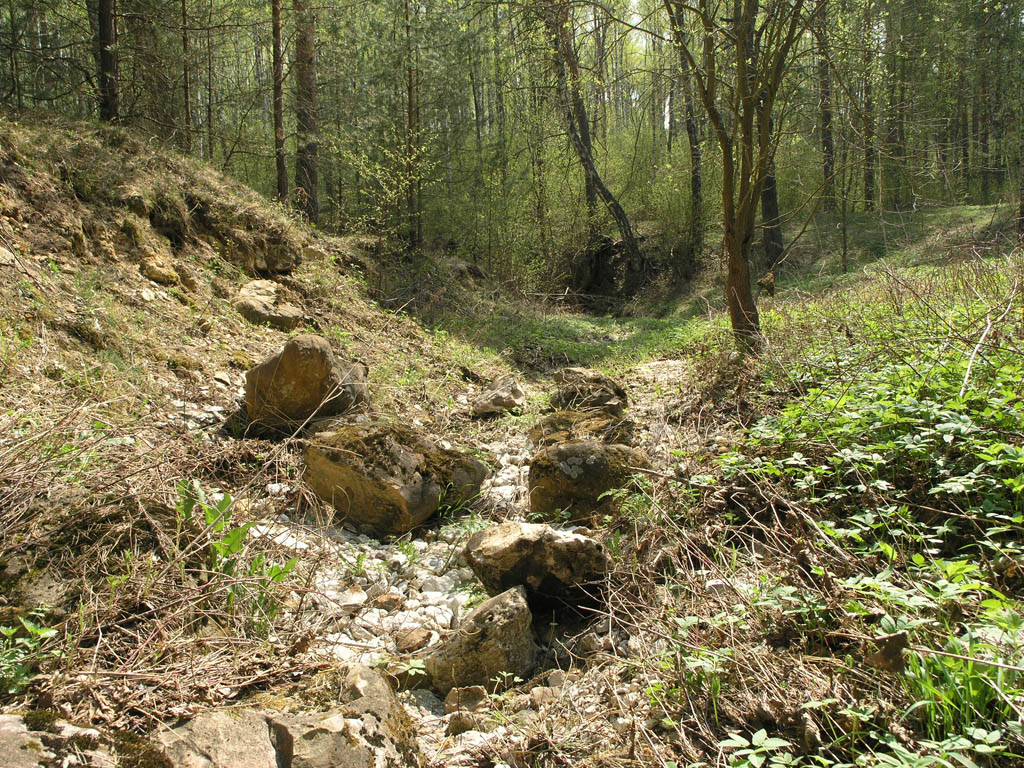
584	450
413	605
364	726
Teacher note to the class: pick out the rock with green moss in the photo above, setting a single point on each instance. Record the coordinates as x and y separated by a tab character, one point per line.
582	389
386	479
302	380
20	747
568	480
563	426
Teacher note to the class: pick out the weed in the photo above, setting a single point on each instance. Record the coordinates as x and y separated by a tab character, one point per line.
252	586
23	649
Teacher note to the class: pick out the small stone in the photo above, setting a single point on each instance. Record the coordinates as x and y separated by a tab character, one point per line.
159	270
409	640
352	599
473	698
389	602
541	696
462	722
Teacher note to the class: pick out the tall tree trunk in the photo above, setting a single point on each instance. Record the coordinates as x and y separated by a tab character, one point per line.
828	149
186	79
415	221
983	154
210	133
1020	191
305	111
771	220
280	161
13	53
499	96
578	125
692	131
870	151
963	133
109	92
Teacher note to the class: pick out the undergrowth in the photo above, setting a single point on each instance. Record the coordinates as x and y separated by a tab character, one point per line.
896	474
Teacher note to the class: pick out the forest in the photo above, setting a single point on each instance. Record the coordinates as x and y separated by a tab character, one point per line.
521	134
512	383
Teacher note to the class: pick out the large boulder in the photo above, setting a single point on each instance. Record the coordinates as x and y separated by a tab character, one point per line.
303	378
386	479
492	646
563	426
582	389
551	564
568	480
367	728
506	395
259	302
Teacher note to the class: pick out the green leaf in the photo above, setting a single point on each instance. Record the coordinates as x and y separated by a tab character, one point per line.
734	741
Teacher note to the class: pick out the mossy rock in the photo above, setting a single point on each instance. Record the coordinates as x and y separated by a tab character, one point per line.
386	479
568	480
582	389
564	426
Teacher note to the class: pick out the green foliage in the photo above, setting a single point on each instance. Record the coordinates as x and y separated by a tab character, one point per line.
251	589
23	648
759	750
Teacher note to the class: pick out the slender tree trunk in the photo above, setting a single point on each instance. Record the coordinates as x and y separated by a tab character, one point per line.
983	153
828	150
692	132
186	79
109	93
210	133
306	111
1020	192
771	220
578	125
870	151
280	161
963	133
415	221
15	71
499	95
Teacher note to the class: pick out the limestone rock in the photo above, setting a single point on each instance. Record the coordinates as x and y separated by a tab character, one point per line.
159	269
563	426
506	395
412	639
387	479
585	390
288	387
370	730
367	729
221	738
19	748
473	698
550	564
463	722
571	477
259	302
492	646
